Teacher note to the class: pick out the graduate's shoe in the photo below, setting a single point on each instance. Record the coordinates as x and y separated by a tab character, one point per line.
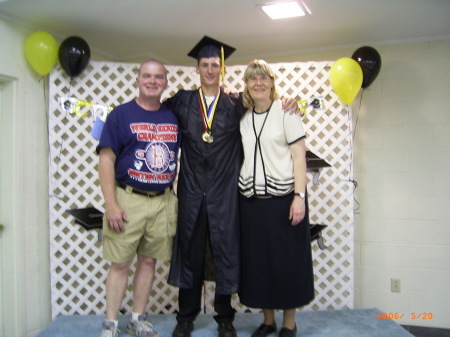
141	328
285	332
183	329
109	329
265	330
226	329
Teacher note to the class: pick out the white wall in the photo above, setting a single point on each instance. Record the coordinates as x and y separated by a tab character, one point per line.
402	167
26	236
402	164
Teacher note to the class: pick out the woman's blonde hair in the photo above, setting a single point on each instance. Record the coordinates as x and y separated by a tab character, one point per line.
258	67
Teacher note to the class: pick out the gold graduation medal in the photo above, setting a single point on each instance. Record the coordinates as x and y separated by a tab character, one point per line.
207	137
207	115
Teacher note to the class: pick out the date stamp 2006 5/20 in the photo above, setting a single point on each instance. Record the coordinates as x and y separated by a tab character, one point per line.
413	315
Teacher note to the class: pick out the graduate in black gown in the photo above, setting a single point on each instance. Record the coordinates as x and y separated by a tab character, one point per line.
207	191
208	214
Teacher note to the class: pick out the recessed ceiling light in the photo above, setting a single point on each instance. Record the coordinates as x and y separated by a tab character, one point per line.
283	10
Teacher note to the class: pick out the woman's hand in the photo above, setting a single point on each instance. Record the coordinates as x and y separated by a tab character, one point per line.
297	211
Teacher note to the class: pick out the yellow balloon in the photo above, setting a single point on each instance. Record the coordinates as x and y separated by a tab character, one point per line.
41	51
346	78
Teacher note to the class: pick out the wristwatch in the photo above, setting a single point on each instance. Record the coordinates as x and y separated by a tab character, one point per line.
300	194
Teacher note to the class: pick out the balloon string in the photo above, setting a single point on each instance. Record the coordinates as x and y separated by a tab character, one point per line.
51	160
350	122
352	137
70	86
357	114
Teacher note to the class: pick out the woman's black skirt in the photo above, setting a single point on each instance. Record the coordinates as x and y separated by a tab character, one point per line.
276	261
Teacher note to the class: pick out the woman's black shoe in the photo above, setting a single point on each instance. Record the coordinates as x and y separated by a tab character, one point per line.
285	332
264	330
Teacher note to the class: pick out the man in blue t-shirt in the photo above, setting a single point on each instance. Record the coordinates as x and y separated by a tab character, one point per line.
138	153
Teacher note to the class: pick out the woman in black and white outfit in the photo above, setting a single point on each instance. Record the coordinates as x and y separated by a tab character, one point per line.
277	270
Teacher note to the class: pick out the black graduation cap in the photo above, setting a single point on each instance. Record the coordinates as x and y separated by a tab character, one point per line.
313	162
89	217
316	234
209	47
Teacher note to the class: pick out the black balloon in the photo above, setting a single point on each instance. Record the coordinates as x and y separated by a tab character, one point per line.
370	61
74	55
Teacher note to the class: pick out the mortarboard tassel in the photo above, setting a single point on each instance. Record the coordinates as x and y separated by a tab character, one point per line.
223	63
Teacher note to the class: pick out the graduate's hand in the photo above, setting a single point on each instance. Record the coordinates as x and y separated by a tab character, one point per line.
116	217
230	92
290	105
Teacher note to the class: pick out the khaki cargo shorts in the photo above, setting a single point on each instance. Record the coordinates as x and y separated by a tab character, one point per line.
149	231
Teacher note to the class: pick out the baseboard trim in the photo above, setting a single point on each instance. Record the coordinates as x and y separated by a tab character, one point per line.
426	331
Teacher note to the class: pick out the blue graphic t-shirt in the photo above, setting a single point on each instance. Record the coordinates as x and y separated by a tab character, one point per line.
146	145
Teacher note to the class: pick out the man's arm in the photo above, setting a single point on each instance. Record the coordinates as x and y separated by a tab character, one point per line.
115	215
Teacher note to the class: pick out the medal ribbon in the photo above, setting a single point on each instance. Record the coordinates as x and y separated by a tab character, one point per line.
207	114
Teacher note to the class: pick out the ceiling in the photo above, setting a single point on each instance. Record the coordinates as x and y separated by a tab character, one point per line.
135	30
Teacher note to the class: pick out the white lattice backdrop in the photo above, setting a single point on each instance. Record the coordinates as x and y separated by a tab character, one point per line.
78	271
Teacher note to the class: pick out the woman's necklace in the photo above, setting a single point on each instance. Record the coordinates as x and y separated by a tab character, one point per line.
258	149
257	112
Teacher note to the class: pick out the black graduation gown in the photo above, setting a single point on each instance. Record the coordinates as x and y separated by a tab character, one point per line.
208	172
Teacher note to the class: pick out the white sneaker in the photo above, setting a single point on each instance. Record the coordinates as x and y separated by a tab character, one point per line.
109	330
141	328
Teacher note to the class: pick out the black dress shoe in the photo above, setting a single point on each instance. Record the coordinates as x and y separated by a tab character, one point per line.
183	329
264	330
226	329
285	332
